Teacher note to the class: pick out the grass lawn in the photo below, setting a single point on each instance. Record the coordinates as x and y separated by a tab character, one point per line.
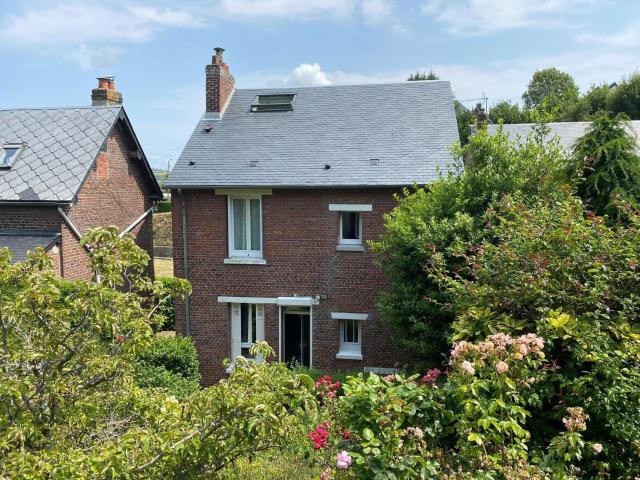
163	266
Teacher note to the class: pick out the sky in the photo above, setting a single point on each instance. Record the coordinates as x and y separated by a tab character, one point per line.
52	50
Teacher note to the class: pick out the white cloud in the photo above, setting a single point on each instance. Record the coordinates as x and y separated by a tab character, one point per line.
376	11
309	74
480	17
628	37
68	23
94	58
308	9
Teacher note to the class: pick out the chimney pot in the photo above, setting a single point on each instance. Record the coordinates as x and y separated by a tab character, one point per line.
106	93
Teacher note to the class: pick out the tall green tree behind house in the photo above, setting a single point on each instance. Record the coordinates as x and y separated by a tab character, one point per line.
508	112
625	97
445	216
551	90
422	75
606	165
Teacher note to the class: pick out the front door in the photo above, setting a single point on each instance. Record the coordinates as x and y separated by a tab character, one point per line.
297	331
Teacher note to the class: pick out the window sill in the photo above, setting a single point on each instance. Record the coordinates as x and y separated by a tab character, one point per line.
244	261
349	356
349	248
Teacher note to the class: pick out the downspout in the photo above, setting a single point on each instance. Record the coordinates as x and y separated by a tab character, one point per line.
185	260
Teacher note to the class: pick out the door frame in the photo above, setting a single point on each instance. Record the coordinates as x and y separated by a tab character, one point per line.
299	310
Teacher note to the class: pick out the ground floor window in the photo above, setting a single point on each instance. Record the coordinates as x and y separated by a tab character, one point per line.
247	327
350	339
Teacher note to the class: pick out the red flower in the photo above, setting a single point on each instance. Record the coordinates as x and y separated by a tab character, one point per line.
345	434
119	338
319	435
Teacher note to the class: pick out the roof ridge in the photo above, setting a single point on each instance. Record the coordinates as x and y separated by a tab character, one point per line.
83	107
367	84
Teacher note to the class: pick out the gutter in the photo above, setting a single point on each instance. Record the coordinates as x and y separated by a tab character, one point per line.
135	222
185	260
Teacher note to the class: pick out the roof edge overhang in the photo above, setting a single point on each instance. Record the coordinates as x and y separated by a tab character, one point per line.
37	203
296	186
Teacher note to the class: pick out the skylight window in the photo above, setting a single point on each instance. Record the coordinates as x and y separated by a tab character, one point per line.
273	103
9	154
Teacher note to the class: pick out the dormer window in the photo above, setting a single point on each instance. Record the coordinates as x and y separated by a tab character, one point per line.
9	154
282	102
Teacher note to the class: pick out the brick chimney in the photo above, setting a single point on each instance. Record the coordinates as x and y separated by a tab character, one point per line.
219	84
481	116
106	93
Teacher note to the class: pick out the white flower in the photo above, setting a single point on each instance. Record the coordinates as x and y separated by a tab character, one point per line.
467	366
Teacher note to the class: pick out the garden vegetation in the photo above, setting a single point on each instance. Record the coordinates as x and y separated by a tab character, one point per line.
514	283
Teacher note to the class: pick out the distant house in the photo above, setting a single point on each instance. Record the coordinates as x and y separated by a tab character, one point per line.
567	132
66	170
275	197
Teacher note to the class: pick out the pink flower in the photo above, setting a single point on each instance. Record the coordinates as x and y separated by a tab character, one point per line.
344	460
319	436
523	349
390	378
431	376
326	474
502	367
467	366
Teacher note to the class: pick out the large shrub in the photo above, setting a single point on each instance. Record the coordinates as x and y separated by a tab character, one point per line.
446	215
558	270
170	363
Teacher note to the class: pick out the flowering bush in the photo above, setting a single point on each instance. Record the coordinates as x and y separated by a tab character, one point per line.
325	388
491	380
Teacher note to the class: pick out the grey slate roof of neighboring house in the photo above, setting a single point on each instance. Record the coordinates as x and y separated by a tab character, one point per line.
409	127
61	145
21	242
567	132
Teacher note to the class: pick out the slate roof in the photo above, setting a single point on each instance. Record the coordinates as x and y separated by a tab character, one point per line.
567	132
61	146
20	242
409	127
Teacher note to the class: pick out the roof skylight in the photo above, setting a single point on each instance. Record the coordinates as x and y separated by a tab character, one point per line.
282	102
9	154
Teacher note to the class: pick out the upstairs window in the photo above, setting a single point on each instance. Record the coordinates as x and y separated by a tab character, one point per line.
273	103
350	228
245	227
9	154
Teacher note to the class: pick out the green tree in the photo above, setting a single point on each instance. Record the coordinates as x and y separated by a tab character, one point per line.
607	166
465	120
69	405
625	97
431	75
443	217
552	91
596	99
507	112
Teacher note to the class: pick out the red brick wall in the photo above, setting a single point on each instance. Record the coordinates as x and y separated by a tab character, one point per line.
29	218
300	238
114	193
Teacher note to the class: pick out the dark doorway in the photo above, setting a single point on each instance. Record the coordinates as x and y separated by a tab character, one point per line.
297	341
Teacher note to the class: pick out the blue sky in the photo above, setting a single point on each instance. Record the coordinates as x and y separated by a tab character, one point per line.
52	50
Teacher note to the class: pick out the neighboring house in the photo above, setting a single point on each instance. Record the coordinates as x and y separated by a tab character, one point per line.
567	132
66	170
275	197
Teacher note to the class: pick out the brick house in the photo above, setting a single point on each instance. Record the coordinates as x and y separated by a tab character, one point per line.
274	199
66	170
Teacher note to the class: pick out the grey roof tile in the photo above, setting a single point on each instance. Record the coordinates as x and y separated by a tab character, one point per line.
567	132
22	242
408	126
61	145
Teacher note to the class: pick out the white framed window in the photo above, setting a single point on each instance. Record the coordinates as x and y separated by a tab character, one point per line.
9	154
245	226
350	339
247	328
350	228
